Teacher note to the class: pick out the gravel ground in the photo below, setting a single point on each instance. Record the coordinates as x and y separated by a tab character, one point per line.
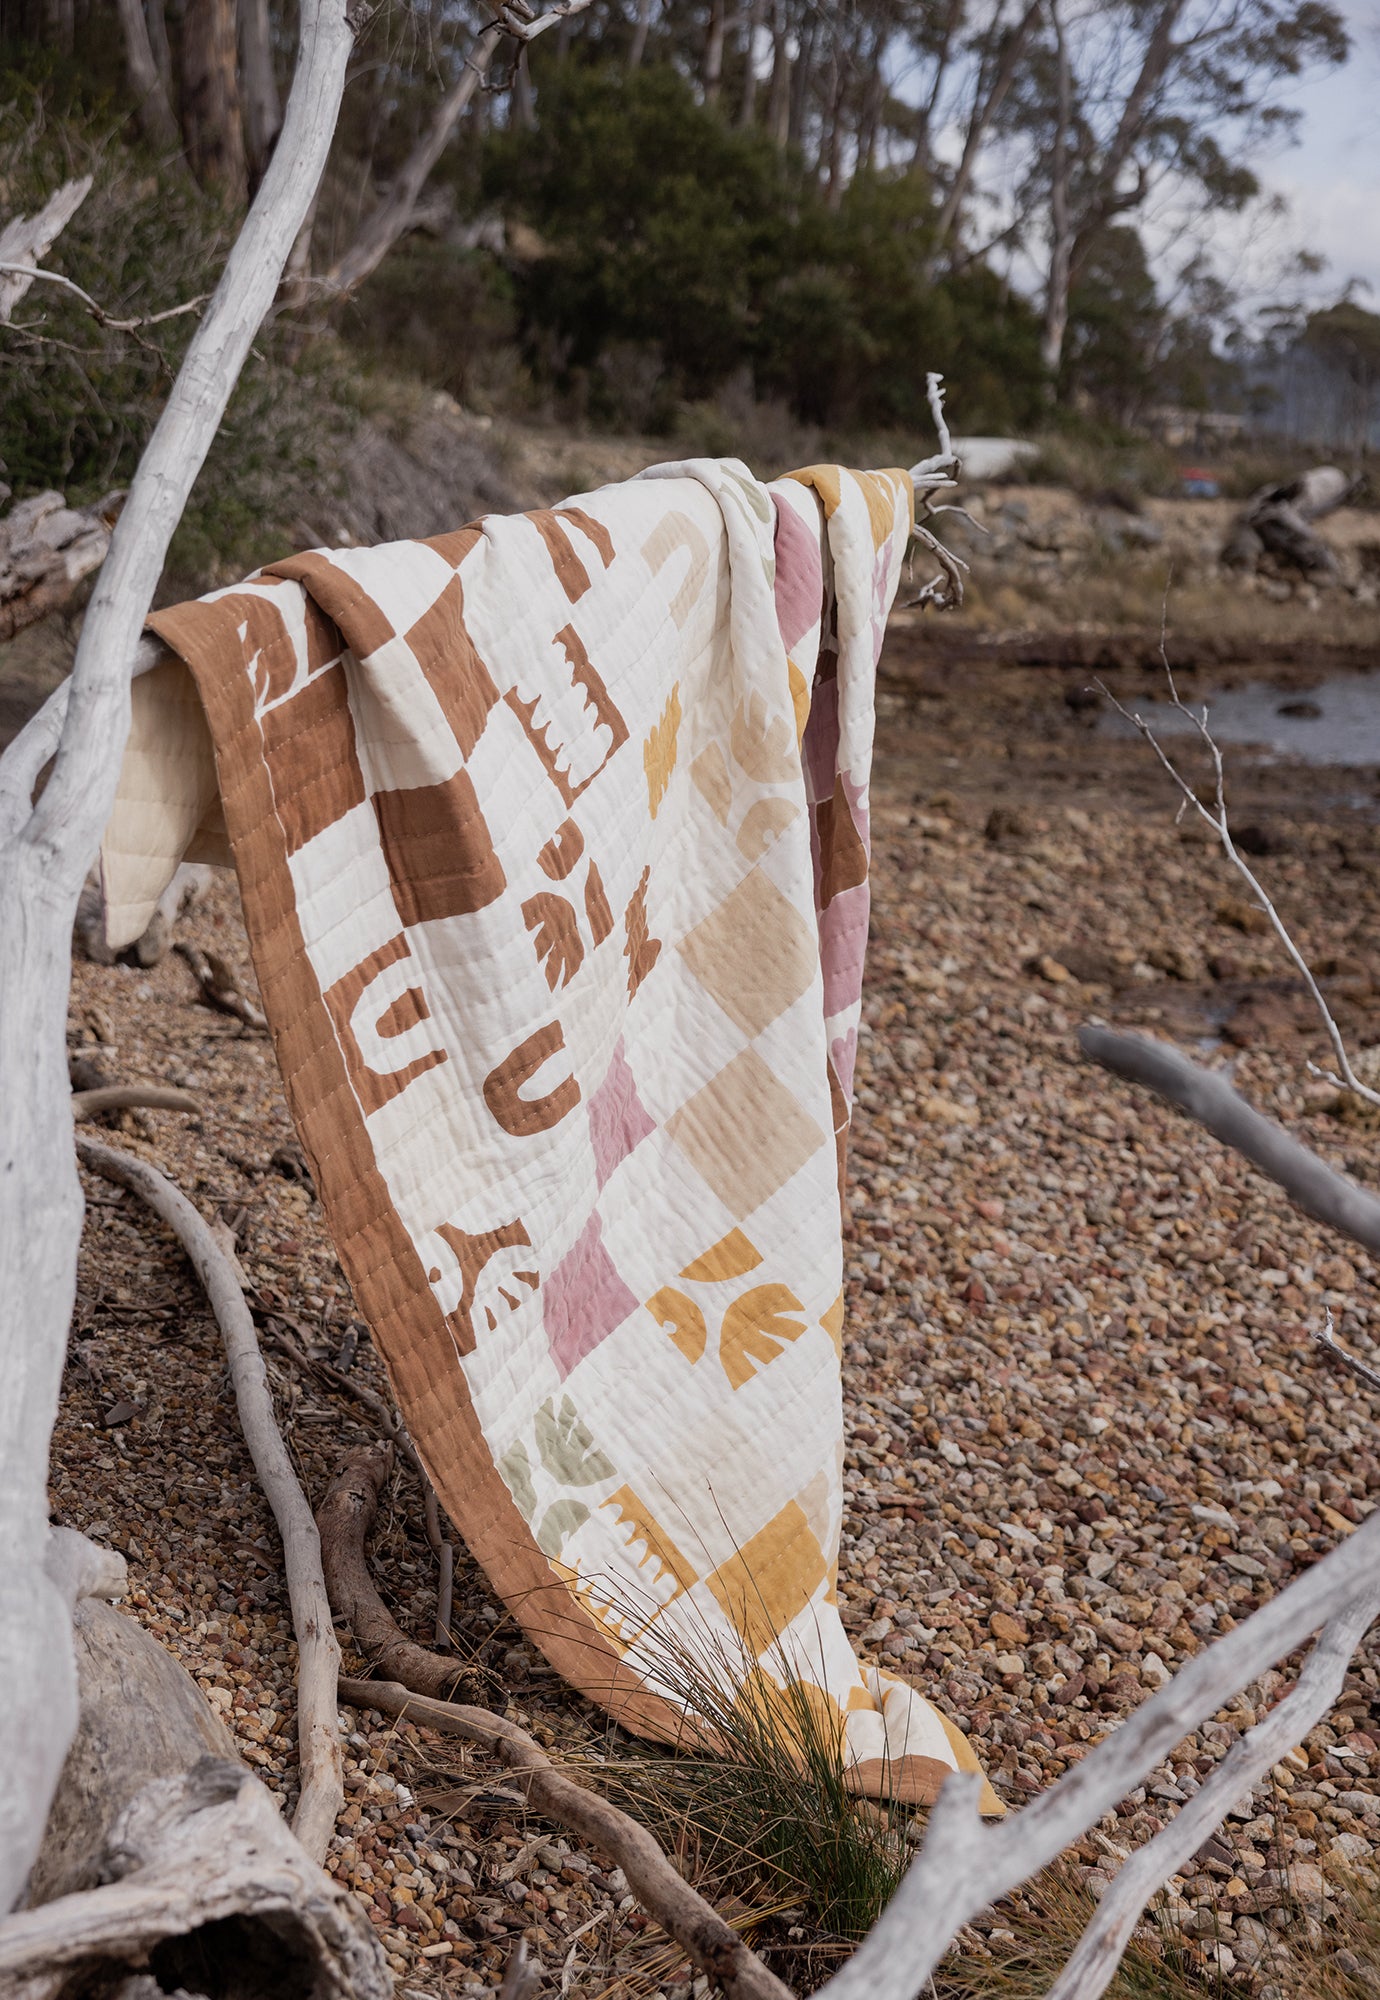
1089	1428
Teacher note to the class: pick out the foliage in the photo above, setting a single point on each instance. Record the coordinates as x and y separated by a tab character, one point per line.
78	401
667	231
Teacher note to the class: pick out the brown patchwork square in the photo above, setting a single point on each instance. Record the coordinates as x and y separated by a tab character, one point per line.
448	657
439	851
309	748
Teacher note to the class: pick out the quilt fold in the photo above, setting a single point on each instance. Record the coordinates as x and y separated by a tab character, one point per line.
552	840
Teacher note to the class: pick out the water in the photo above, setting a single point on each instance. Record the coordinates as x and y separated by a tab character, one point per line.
1337	722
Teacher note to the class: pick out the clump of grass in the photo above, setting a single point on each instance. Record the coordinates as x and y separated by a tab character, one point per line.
763	1810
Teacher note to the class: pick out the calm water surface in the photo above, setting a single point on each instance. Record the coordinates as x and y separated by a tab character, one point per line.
1337	722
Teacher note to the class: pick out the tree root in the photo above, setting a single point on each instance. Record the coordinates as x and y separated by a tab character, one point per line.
344	1518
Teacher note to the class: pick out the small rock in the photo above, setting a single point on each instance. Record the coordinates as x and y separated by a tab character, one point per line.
1007	1630
1248	918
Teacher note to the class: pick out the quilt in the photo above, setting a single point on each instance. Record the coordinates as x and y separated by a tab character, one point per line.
552	841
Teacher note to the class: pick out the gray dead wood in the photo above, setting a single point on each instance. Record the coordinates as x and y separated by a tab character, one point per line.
189	886
163	1851
47	551
318	1655
1207	1097
1278	521
26	238
46	849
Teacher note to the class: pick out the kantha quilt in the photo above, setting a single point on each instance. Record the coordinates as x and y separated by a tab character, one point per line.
552	839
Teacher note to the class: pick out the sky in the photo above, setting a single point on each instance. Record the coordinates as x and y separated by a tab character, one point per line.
1330	179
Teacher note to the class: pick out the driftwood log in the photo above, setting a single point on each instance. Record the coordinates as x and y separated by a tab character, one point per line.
163	1854
47	550
1277	522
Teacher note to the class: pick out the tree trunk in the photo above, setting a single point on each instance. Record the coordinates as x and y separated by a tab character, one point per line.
524	103
60	26
874	93
152	107
263	110
984	111
747	103
800	87
922	159
394	216
46	850
638	46
155	16
1060	226
779	99
211	127
714	51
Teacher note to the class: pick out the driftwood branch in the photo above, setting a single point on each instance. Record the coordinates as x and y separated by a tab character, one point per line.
1326	1337
26	238
713	1945
1208	1098
391	1420
318	1656
928	477
46	849
35	274
344	1519
220	988
130	1097
1093	1965
964	1865
156	1815
47	550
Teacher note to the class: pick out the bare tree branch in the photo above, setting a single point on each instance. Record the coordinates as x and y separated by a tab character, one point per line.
1093	1965
46	849
26	238
1216	817
964	1865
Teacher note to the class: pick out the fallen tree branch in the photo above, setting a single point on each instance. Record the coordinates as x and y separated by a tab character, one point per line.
1098	1953
47	550
1208	1098
318	1655
220	988
130	1097
26	238
965	1864
1327	1340
47	846
183	1848
713	1945
343	1520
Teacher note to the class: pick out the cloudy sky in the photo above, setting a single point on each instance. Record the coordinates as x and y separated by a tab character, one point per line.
1330	178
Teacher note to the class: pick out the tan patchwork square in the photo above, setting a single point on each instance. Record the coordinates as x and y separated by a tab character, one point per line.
755	953
744	1134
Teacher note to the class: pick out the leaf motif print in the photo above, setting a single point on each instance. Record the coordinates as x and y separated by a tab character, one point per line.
516	1469
556	935
567	1448
558	1524
753	1329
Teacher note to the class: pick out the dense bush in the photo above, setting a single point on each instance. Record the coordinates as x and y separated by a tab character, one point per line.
667	231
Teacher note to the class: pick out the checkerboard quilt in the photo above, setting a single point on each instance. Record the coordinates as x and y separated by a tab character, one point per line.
552	837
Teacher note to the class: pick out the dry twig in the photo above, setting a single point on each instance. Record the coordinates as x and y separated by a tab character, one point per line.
323	1371
318	1730
219	986
344	1519
1216	817
130	1097
930	476
1327	1340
